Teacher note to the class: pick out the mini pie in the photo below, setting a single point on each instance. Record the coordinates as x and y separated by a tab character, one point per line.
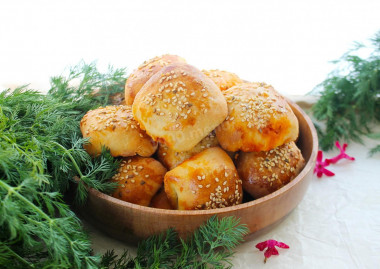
160	200
223	79
259	119
144	72
138	180
114	127
265	172
179	106
171	158
207	180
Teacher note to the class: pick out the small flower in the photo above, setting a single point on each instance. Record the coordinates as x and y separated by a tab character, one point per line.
271	247
319	168
341	155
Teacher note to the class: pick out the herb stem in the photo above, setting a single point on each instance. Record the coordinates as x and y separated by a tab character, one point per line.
37	165
71	158
18	257
51	221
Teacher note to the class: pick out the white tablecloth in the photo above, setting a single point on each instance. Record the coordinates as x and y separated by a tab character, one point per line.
337	224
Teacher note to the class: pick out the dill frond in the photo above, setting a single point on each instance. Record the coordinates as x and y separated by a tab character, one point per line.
350	97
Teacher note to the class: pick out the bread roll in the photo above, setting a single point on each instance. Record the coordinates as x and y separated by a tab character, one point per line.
160	200
205	181
144	72
179	106
266	171
259	119
138	180
171	158
223	79
115	128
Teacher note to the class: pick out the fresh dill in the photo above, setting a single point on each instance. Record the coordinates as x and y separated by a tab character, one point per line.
349	105
41	151
210	246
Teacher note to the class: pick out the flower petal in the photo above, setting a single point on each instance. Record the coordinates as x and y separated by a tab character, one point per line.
270	251
328	172
337	144
261	246
282	245
319	156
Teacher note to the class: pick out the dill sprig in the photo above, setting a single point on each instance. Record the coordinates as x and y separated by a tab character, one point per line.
41	151
210	246
349	104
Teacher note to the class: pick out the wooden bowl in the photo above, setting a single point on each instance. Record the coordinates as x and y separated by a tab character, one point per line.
131	223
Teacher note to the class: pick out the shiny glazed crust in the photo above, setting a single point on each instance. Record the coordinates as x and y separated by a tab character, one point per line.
115	128
179	106
265	172
138	180
144	72
223	79
172	159
206	180
259	119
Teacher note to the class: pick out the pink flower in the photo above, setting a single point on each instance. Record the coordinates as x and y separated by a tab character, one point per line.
319	168
341	155
271	247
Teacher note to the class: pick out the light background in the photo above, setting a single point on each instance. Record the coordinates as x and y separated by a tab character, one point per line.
285	43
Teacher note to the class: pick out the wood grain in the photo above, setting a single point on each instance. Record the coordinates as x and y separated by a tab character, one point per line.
131	223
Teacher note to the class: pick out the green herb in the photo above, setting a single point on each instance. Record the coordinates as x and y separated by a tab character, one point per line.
86	84
349	104
40	153
208	247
